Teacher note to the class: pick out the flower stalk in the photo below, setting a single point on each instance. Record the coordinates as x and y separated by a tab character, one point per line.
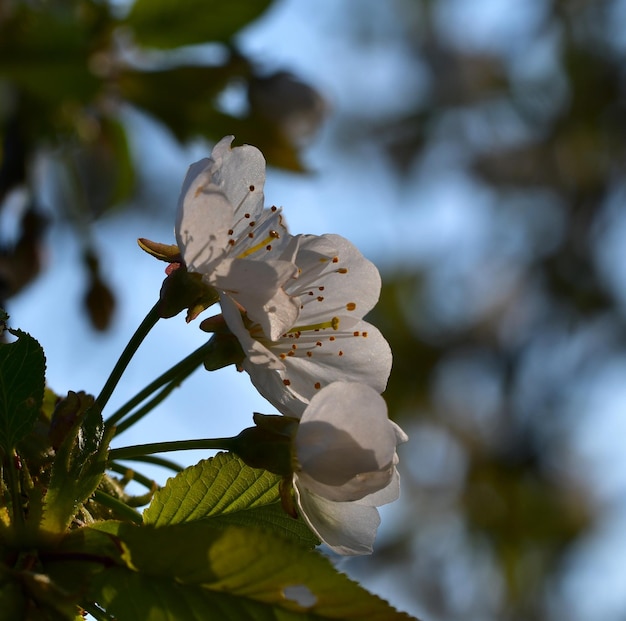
141	450
140	334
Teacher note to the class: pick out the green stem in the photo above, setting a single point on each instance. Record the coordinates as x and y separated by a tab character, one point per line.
15	489
175	375
140	450
121	508
131	474
146	325
159	461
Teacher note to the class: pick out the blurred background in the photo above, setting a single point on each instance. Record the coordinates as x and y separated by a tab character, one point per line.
473	149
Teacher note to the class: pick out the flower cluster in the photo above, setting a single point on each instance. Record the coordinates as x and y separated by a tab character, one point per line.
295	304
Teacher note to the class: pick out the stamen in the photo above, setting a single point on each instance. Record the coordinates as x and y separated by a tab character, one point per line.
333	323
262	244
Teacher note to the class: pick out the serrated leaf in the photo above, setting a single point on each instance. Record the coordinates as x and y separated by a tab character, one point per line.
270	518
194	571
22	380
215	486
227	491
167	24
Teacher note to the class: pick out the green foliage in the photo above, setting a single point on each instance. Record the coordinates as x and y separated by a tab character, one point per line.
22	370
169	24
81	460
219	485
183	571
69	71
214	543
224	489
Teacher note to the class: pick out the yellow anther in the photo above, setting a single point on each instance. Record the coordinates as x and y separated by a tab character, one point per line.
333	323
259	246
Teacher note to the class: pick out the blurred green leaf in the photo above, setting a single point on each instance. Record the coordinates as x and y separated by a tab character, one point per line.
168	24
22	380
182	98
47	54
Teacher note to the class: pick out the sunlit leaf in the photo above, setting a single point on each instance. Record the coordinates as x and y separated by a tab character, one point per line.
214	486
22	379
193	571
229	492
270	518
167	24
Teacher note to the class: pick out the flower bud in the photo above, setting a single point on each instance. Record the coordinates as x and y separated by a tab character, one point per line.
269	444
182	289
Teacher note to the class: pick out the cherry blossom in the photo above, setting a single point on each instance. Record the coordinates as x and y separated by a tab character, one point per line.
225	233
345	449
329	341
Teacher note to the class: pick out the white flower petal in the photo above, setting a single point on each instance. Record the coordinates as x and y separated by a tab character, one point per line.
345	445
359	487
239	174
202	231
346	527
314	359
335	279
215	194
257	286
257	354
343	418
389	493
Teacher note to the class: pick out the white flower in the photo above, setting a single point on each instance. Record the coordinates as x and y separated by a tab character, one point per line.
224	233
346	453
330	341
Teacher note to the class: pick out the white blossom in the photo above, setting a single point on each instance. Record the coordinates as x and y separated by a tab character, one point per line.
224	233
329	341
346	456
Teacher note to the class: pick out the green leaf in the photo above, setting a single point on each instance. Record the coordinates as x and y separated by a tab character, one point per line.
181	97
22	380
77	469
12	602
168	24
214	486
46	53
226	490
194	571
270	518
